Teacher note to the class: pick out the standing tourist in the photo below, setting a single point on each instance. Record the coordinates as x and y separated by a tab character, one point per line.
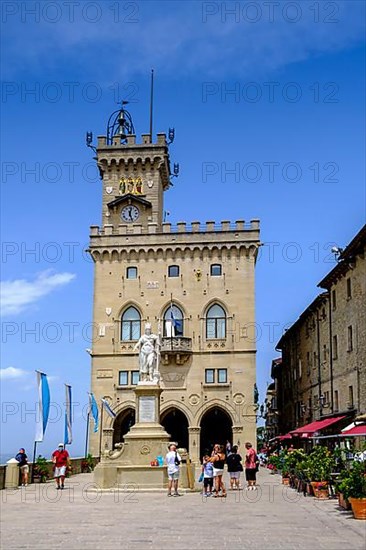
250	466
22	458
173	461
234	467
218	462
60	459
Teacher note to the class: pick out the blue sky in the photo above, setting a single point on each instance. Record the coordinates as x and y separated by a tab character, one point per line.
268	109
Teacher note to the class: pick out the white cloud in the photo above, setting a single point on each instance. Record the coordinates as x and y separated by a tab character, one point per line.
19	294
180	38
11	373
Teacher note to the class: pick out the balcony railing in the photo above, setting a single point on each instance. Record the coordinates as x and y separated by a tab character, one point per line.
178	346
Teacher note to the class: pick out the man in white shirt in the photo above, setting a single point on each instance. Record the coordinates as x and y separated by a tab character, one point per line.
173	461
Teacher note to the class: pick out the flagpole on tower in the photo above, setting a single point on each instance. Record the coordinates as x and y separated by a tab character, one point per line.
101	429
87	428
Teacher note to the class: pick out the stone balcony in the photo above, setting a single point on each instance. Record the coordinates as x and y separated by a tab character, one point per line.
177	349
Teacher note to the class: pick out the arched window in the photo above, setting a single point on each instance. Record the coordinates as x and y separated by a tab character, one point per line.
131	324
173	322
216	322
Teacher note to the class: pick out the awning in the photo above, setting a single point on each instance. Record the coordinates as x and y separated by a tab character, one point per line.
354	430
280	438
283	437
310	429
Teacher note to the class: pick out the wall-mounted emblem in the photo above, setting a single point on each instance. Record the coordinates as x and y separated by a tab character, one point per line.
152	284
130	185
150	183
108	190
108	311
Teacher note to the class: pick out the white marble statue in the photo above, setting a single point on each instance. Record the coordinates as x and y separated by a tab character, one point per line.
149	354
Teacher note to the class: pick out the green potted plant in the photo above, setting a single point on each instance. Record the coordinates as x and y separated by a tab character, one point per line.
274	463
41	470
292	466
353	487
87	464
320	464
343	488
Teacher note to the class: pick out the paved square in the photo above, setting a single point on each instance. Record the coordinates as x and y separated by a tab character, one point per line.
274	517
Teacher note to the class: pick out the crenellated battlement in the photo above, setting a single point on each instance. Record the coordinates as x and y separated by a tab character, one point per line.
180	227
131	142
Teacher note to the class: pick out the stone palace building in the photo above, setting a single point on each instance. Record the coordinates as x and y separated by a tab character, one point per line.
322	372
194	283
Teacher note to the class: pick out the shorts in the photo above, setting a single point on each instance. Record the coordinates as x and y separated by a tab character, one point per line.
173	476
218	472
234	475
208	482
60	471
250	474
24	469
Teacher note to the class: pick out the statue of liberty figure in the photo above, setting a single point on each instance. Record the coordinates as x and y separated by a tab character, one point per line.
149	354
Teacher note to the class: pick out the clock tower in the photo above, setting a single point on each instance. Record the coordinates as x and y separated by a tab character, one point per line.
135	176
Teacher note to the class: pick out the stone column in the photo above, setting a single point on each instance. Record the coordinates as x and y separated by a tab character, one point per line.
194	443
107	443
237	436
12	474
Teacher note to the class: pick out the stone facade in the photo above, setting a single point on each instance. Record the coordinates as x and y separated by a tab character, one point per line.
271	404
323	369
146	269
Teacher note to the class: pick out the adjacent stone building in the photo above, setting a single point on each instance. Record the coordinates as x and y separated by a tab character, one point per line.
323	369
193	282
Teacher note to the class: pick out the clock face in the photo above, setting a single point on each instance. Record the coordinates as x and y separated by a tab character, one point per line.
130	214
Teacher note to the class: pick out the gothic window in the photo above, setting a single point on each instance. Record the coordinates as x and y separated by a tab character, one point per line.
131	324
216	322
173	321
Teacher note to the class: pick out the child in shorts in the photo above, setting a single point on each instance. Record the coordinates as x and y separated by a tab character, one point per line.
207	476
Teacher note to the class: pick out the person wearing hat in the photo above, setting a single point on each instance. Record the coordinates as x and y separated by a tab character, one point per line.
60	459
173	461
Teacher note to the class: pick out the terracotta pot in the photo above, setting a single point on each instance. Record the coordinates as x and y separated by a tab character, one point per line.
320	489
285	481
343	502
358	507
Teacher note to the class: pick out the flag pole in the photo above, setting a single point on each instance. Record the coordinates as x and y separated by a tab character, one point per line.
172	327
101	429
34	460
87	434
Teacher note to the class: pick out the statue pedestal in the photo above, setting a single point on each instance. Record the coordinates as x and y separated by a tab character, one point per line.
147	439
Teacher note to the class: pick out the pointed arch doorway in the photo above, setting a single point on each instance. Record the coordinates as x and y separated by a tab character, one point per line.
122	424
216	427
176	424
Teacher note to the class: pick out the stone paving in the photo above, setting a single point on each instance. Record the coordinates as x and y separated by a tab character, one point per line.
274	517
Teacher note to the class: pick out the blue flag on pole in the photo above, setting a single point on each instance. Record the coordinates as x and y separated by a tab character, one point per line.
177	323
43	405
93	409
68	416
108	409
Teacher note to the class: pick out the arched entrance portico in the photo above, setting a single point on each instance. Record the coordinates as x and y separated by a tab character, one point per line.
176	424
122	424
216	427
